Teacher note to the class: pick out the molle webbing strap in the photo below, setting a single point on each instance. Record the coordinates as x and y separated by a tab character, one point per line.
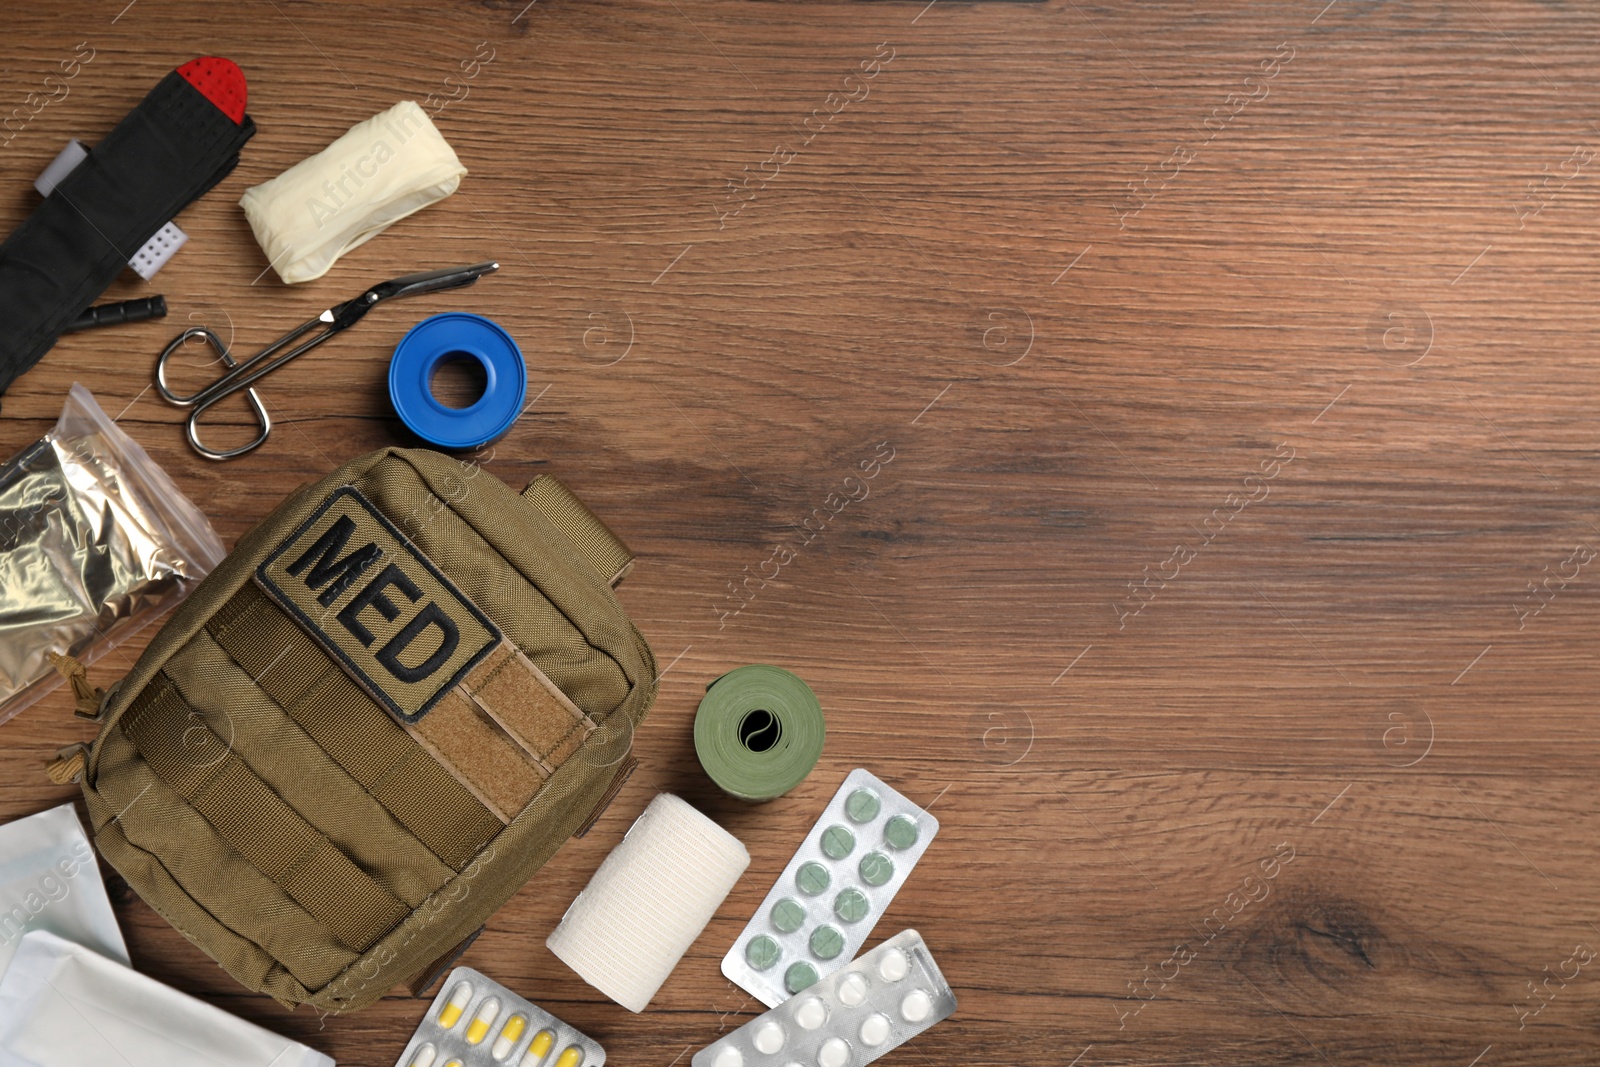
603	549
165	153
352	728
256	822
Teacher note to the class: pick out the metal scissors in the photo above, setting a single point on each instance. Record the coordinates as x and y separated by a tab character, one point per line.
243	375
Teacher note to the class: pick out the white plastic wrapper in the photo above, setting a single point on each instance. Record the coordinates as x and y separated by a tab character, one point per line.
95	542
62	1005
49	880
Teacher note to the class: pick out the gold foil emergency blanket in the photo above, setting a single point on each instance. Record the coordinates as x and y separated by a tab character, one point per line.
95	540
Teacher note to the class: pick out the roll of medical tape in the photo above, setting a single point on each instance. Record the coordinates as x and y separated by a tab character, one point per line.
759	732
452	336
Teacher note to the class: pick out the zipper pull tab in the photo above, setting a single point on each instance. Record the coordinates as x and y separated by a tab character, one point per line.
86	699
69	765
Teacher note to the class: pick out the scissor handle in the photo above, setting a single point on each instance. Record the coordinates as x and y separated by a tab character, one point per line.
200	401
178	342
192	431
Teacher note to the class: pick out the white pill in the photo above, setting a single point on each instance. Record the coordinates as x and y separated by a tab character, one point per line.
894	965
768	1038
811	1013
875	1030
424	1057
852	989
729	1056
833	1053
916	1006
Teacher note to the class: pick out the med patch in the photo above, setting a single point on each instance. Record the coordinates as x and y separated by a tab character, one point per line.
377	604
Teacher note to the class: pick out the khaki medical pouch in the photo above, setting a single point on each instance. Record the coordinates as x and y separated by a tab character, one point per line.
371	724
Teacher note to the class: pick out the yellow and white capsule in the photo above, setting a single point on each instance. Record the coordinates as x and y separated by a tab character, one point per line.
479	1028
424	1057
538	1048
460	997
571	1056
508	1036
453	1063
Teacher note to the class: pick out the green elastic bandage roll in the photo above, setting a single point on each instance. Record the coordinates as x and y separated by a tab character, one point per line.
758	732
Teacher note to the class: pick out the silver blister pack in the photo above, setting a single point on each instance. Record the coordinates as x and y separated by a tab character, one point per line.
848	1019
477	1022
835	888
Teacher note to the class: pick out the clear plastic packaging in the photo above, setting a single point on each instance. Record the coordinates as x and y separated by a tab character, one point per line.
95	542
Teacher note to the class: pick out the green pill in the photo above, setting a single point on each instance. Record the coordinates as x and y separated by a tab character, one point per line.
901	832
837	842
876	868
862	805
826	942
762	952
799	976
851	905
788	916
813	878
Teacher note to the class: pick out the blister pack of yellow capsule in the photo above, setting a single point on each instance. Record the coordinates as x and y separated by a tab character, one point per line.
477	1022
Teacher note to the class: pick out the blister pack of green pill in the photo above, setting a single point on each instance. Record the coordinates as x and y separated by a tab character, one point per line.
836	886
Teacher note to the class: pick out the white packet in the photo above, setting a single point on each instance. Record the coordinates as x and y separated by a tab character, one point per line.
49	881
378	172
62	1005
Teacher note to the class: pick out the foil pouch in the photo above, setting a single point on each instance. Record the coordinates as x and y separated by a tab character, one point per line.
95	542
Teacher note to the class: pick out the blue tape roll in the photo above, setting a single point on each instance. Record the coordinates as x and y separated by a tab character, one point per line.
457	335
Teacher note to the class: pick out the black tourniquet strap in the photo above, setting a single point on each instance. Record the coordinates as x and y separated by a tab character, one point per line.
164	154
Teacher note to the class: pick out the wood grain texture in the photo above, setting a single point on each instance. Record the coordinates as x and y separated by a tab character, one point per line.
1127	666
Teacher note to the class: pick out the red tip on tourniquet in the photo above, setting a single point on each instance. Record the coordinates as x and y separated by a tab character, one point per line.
220	81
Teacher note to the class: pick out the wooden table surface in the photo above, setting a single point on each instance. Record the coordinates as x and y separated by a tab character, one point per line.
1226	595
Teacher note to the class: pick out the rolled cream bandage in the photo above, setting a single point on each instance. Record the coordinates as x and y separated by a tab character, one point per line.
648	901
380	171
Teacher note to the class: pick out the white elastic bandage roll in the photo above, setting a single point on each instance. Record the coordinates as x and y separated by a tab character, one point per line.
648	901
379	172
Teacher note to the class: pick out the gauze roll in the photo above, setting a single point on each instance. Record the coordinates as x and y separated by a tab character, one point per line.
648	901
380	171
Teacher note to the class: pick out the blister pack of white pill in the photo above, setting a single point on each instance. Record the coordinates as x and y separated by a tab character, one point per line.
848	1019
833	891
477	1022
